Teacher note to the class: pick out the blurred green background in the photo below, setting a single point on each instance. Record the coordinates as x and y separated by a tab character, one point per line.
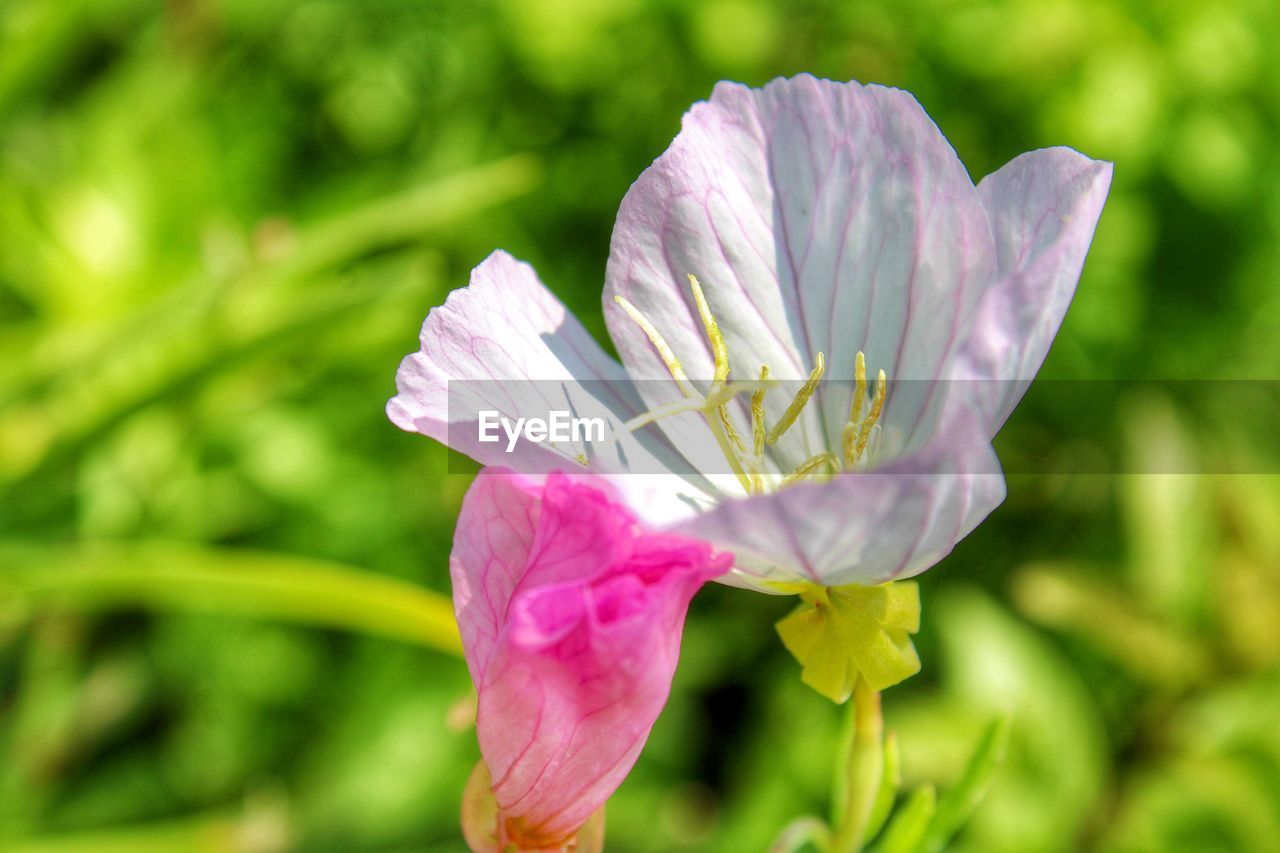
221	223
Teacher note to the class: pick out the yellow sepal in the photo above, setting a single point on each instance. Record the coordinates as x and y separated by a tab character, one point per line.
839	633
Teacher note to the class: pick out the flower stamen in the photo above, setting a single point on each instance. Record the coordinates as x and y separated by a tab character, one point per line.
877	403
721	426
719	351
749	464
757	412
797	405
660	344
857	430
810	466
726	423
679	407
720	360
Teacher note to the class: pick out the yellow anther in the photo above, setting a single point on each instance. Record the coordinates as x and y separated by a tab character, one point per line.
757	413
849	437
859	387
848	441
659	343
582	460
797	405
719	352
810	466
722	411
877	403
720	359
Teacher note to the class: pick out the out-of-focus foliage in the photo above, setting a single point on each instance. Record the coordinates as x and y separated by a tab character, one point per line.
221	222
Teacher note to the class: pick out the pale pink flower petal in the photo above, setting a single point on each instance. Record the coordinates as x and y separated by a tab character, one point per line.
571	618
496	339
866	528
1044	206
820	217
504	343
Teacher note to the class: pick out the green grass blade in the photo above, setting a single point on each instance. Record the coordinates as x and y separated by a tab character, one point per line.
910	824
959	803
165	576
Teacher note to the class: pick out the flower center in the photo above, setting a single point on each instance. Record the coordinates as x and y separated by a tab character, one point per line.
748	464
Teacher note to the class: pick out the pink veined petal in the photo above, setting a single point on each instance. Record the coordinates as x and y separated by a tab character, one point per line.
819	217
495	533
1044	207
504	341
581	530
516	532
505	344
571	618
868	527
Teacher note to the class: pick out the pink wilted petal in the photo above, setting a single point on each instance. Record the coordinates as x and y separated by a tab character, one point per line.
571	617
1044	206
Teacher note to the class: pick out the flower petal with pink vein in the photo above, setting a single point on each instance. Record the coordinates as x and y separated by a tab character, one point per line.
571	617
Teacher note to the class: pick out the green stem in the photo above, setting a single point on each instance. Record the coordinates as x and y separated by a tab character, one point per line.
860	771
